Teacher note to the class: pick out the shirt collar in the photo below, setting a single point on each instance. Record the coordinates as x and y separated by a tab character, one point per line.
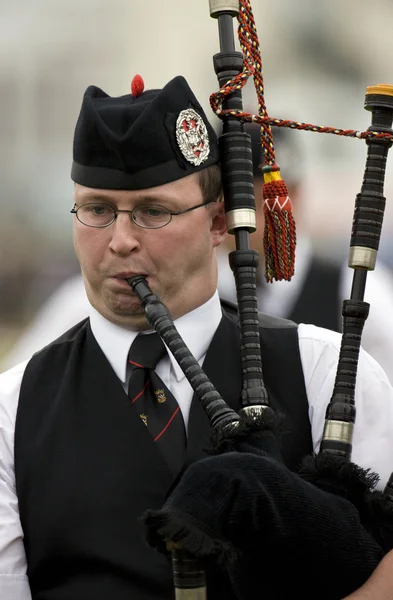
197	329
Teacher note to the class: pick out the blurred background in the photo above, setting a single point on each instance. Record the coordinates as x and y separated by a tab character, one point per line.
318	59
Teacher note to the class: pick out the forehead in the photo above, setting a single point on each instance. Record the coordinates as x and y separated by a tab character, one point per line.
185	190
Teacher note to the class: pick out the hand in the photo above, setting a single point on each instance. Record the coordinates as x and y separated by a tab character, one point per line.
380	585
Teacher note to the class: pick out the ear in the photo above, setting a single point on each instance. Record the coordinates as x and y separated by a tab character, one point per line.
218	226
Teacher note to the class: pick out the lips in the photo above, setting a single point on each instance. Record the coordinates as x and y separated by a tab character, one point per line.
124	278
128	275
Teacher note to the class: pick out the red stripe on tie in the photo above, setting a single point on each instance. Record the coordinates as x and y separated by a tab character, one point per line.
140	393
136	364
167	425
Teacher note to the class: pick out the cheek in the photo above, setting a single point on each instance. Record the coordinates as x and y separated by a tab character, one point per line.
165	250
89	246
178	249
188	248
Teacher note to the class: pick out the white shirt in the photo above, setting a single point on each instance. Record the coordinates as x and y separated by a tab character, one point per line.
319	348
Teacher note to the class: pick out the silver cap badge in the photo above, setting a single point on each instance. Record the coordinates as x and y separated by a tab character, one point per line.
192	137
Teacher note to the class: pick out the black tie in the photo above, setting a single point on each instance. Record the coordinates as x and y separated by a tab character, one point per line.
155	404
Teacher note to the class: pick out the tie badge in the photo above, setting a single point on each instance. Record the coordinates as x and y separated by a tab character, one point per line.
144	418
160	395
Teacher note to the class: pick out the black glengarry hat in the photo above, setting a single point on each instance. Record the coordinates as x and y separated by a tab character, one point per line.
142	139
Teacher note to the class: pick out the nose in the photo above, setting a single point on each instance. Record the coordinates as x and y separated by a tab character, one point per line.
124	235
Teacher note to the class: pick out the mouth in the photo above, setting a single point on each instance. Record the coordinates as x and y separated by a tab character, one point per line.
125	276
128	275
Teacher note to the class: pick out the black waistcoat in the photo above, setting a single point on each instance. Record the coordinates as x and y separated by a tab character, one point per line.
87	468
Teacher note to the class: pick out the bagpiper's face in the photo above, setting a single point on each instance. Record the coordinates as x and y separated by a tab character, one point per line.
178	260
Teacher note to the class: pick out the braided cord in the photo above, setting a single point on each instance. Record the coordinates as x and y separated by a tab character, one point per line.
279	238
249	43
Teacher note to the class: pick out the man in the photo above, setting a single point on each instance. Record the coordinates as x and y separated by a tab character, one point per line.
83	450
321	283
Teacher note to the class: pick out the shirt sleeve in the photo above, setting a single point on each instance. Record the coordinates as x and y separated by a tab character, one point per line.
372	446
13	578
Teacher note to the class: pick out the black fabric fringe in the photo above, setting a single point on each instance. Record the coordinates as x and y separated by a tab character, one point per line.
198	540
378	518
342	478
258	435
339	476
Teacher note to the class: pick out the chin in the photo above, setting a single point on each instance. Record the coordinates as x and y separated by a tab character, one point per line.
126	306
115	307
134	319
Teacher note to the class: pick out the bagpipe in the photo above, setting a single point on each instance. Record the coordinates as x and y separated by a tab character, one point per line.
240	524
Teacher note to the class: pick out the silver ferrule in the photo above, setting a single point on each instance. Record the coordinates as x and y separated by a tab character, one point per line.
254	411
338	431
193	594
361	257
241	217
221	6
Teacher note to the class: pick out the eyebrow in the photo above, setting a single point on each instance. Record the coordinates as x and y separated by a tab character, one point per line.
95	198
92	197
145	199
151	199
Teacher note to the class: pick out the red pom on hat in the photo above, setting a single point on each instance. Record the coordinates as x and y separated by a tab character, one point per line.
137	86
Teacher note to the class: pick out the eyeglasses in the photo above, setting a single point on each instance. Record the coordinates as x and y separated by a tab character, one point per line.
148	216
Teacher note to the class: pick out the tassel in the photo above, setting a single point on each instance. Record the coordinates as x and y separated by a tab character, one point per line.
279	237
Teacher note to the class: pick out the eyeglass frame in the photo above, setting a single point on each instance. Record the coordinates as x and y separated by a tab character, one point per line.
117	211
